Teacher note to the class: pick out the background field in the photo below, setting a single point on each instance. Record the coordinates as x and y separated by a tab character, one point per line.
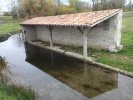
8	25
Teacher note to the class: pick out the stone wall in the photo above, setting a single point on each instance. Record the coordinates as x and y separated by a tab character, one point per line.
30	33
61	35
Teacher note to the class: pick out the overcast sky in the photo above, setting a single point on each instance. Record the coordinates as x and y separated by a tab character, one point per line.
5	4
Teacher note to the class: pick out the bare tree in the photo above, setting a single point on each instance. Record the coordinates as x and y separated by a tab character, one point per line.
107	4
58	2
130	5
14	9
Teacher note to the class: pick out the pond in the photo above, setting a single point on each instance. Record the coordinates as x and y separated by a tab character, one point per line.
57	77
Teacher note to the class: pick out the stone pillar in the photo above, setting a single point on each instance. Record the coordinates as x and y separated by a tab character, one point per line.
119	28
51	39
85	32
50	28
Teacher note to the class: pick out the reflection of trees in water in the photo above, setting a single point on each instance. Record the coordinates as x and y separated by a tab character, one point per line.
19	39
4	38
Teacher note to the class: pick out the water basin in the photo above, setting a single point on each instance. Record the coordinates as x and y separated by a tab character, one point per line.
57	77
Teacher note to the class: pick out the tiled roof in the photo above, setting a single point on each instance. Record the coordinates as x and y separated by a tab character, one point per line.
79	19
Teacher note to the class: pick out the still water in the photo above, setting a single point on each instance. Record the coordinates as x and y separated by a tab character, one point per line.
57	77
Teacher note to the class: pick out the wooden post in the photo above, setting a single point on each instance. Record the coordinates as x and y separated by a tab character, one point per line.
85	43
50	28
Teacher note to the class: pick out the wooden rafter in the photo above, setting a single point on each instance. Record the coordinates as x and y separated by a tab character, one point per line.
81	29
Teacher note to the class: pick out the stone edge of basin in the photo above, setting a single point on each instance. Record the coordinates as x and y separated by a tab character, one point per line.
87	59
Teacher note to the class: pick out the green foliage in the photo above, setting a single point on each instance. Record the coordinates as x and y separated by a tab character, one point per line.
65	10
7	14
72	2
32	8
12	92
15	93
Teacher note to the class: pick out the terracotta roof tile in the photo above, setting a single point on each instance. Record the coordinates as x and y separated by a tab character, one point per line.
79	19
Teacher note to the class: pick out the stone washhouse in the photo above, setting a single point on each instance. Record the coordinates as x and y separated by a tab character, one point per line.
99	30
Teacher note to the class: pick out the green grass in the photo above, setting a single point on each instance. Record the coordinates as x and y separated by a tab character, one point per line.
8	25
121	64
124	58
12	92
4	19
15	93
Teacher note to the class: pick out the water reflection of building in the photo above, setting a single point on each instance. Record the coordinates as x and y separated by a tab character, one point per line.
87	79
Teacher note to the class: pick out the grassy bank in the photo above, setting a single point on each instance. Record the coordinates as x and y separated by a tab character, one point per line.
15	93
8	25
12	92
